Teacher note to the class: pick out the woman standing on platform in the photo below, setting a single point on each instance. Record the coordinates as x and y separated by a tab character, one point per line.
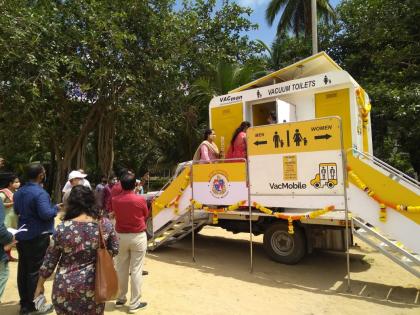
237	149
208	150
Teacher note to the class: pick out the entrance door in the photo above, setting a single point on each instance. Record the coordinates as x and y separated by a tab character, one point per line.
261	112
336	103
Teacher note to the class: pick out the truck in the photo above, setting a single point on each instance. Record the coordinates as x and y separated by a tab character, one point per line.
305	178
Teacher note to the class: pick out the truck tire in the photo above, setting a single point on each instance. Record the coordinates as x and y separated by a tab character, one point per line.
283	247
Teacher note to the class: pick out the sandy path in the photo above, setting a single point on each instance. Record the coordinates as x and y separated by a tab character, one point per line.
219	282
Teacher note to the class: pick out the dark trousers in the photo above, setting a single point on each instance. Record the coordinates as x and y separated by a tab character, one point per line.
31	256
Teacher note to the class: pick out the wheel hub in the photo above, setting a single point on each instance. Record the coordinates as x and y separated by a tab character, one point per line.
282	243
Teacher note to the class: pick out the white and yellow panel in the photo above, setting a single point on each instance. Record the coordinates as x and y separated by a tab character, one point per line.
297	165
308	173
219	183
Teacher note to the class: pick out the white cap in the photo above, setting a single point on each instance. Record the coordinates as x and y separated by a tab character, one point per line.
76	174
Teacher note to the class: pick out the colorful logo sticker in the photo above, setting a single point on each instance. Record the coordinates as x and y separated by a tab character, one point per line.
219	186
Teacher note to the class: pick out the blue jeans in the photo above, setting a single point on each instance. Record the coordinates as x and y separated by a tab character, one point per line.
4	275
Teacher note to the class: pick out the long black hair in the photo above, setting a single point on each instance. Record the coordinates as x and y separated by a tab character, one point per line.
81	200
6	179
207	133
242	127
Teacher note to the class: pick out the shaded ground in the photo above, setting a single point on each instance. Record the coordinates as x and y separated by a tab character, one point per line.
219	282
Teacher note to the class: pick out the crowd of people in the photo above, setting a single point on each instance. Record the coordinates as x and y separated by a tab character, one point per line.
69	248
28	222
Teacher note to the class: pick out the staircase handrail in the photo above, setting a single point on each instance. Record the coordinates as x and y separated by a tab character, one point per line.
157	194
406	178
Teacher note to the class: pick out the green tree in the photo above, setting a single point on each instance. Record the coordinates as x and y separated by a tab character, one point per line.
70	74
378	43
296	15
286	50
206	35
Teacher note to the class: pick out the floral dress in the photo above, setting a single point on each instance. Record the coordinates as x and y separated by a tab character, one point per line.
74	250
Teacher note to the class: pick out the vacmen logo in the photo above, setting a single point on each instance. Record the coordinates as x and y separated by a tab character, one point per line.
298	185
230	99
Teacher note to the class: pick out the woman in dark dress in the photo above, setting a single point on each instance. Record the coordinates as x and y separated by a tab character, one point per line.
74	250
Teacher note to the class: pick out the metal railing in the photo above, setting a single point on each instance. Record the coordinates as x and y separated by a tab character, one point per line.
385	166
242	160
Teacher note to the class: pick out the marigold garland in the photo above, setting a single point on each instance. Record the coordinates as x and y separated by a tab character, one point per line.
175	201
215	218
383	204
215	212
364	108
233	207
291	218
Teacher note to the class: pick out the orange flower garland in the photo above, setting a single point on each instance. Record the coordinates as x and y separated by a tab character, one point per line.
383	204
291	218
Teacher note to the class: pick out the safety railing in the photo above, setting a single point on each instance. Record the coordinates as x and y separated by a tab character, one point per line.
397	174
235	160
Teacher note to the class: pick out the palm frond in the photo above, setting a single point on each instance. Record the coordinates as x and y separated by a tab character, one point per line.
287	18
274	8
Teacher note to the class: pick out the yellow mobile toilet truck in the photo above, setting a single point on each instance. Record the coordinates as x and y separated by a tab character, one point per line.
305	177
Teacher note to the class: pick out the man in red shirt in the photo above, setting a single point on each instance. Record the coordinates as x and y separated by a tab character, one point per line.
130	223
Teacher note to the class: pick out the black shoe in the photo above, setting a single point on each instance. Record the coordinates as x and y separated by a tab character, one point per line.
25	311
119	304
141	306
144	273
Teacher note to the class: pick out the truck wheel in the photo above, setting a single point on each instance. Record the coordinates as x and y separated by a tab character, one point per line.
283	247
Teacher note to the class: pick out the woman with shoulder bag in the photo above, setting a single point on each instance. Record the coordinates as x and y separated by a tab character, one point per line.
74	249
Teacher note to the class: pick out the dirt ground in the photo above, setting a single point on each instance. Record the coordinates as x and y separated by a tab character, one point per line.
220	282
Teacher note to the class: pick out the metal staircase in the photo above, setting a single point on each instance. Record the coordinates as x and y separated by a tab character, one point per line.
390	248
176	230
378	239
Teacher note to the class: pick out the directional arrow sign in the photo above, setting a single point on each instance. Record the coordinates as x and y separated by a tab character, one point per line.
321	134
260	142
326	137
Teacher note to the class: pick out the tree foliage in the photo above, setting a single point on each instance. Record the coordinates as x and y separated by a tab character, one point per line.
378	42
296	16
84	81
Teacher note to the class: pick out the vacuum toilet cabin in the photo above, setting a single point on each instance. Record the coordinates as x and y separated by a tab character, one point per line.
304	171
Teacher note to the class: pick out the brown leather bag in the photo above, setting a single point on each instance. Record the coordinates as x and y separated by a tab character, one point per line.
106	280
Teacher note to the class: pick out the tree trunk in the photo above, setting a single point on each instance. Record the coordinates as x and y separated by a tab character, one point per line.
105	149
70	150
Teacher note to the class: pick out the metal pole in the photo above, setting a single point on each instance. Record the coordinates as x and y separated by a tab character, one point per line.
344	162
251	254
192	214
314	27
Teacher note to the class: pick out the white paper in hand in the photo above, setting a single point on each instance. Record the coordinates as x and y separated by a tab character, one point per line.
14	231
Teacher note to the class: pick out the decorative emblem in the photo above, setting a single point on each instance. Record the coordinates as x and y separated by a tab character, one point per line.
219	186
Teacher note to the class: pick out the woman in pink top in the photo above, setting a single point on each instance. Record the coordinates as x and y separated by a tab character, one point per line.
207	150
237	147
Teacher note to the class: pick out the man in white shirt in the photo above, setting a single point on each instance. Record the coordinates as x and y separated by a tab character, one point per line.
68	186
75	178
